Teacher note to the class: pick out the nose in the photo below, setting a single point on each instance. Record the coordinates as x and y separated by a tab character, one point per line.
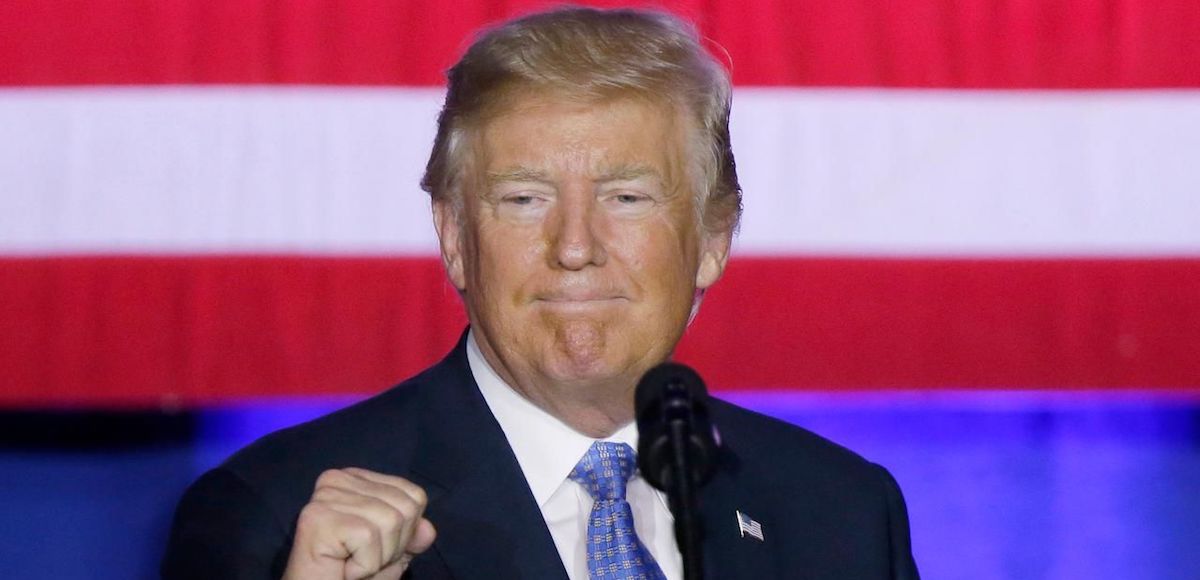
575	241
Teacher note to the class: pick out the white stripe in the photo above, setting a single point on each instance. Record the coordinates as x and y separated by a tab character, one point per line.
945	172
303	169
233	168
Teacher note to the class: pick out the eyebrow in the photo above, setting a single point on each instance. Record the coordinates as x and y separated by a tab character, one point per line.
529	175
517	174
630	173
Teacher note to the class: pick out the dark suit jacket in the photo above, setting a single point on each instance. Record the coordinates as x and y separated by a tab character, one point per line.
825	512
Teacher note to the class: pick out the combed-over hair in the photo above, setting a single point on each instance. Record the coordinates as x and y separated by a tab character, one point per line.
590	53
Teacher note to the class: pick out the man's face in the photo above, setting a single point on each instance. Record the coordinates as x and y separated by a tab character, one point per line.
579	250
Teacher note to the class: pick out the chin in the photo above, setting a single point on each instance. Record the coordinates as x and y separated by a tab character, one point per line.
585	370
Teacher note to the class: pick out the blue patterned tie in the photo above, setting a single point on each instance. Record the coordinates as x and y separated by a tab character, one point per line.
613	548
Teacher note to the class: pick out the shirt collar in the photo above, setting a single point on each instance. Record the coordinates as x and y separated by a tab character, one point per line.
546	448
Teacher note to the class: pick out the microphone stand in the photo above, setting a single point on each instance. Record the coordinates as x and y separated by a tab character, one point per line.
683	494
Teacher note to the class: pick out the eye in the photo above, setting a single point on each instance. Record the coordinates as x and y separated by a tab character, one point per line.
522	204
630	198
520	199
523	199
626	197
629	203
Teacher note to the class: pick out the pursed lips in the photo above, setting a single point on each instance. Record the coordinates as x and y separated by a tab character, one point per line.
580	299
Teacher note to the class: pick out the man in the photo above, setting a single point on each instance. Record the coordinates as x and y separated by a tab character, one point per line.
585	196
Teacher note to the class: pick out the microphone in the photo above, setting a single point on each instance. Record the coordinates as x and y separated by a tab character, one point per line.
677	449
673	394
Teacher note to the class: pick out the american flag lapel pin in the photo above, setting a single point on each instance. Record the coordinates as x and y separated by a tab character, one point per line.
748	527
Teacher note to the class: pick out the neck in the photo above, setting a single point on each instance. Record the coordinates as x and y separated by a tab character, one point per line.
594	418
595	408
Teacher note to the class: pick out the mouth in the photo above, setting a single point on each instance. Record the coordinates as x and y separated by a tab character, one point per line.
580	302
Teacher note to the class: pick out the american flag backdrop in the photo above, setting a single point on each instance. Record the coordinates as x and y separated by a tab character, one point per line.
202	200
970	252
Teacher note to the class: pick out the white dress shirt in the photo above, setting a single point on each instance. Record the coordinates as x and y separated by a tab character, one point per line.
547	450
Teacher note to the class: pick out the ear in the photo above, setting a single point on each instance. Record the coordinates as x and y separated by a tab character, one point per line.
449	231
714	253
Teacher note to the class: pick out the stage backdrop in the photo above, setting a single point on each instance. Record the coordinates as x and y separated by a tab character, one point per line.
205	202
202	200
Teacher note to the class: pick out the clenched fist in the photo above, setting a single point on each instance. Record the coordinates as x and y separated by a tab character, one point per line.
359	524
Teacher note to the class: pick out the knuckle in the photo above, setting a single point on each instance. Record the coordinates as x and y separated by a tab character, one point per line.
324	494
392	519
366	533
396	519
407	507
419	496
312	515
330	477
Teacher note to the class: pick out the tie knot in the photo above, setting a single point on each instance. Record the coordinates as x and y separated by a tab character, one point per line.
605	469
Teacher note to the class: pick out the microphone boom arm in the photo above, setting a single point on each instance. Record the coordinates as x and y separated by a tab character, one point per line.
677	451
683	499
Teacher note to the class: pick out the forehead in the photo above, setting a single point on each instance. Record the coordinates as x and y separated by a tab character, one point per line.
556	135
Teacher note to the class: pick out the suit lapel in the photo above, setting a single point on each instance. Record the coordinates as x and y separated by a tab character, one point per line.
488	524
728	555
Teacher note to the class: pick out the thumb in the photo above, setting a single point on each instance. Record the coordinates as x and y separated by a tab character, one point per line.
421	540
423	537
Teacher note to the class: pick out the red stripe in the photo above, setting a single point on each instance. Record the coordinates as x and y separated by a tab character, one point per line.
915	43
140	330
857	323
167	330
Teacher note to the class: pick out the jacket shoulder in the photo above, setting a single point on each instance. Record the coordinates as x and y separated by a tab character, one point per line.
236	520
778	451
374	433
842	515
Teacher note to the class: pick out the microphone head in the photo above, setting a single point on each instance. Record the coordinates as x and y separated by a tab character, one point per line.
669	396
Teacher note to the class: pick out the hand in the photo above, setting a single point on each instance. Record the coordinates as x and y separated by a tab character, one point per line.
359	524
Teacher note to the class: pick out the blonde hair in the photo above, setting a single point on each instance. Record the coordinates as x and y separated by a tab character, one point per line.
593	54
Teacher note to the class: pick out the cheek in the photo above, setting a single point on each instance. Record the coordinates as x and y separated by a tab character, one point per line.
662	258
505	259
679	244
